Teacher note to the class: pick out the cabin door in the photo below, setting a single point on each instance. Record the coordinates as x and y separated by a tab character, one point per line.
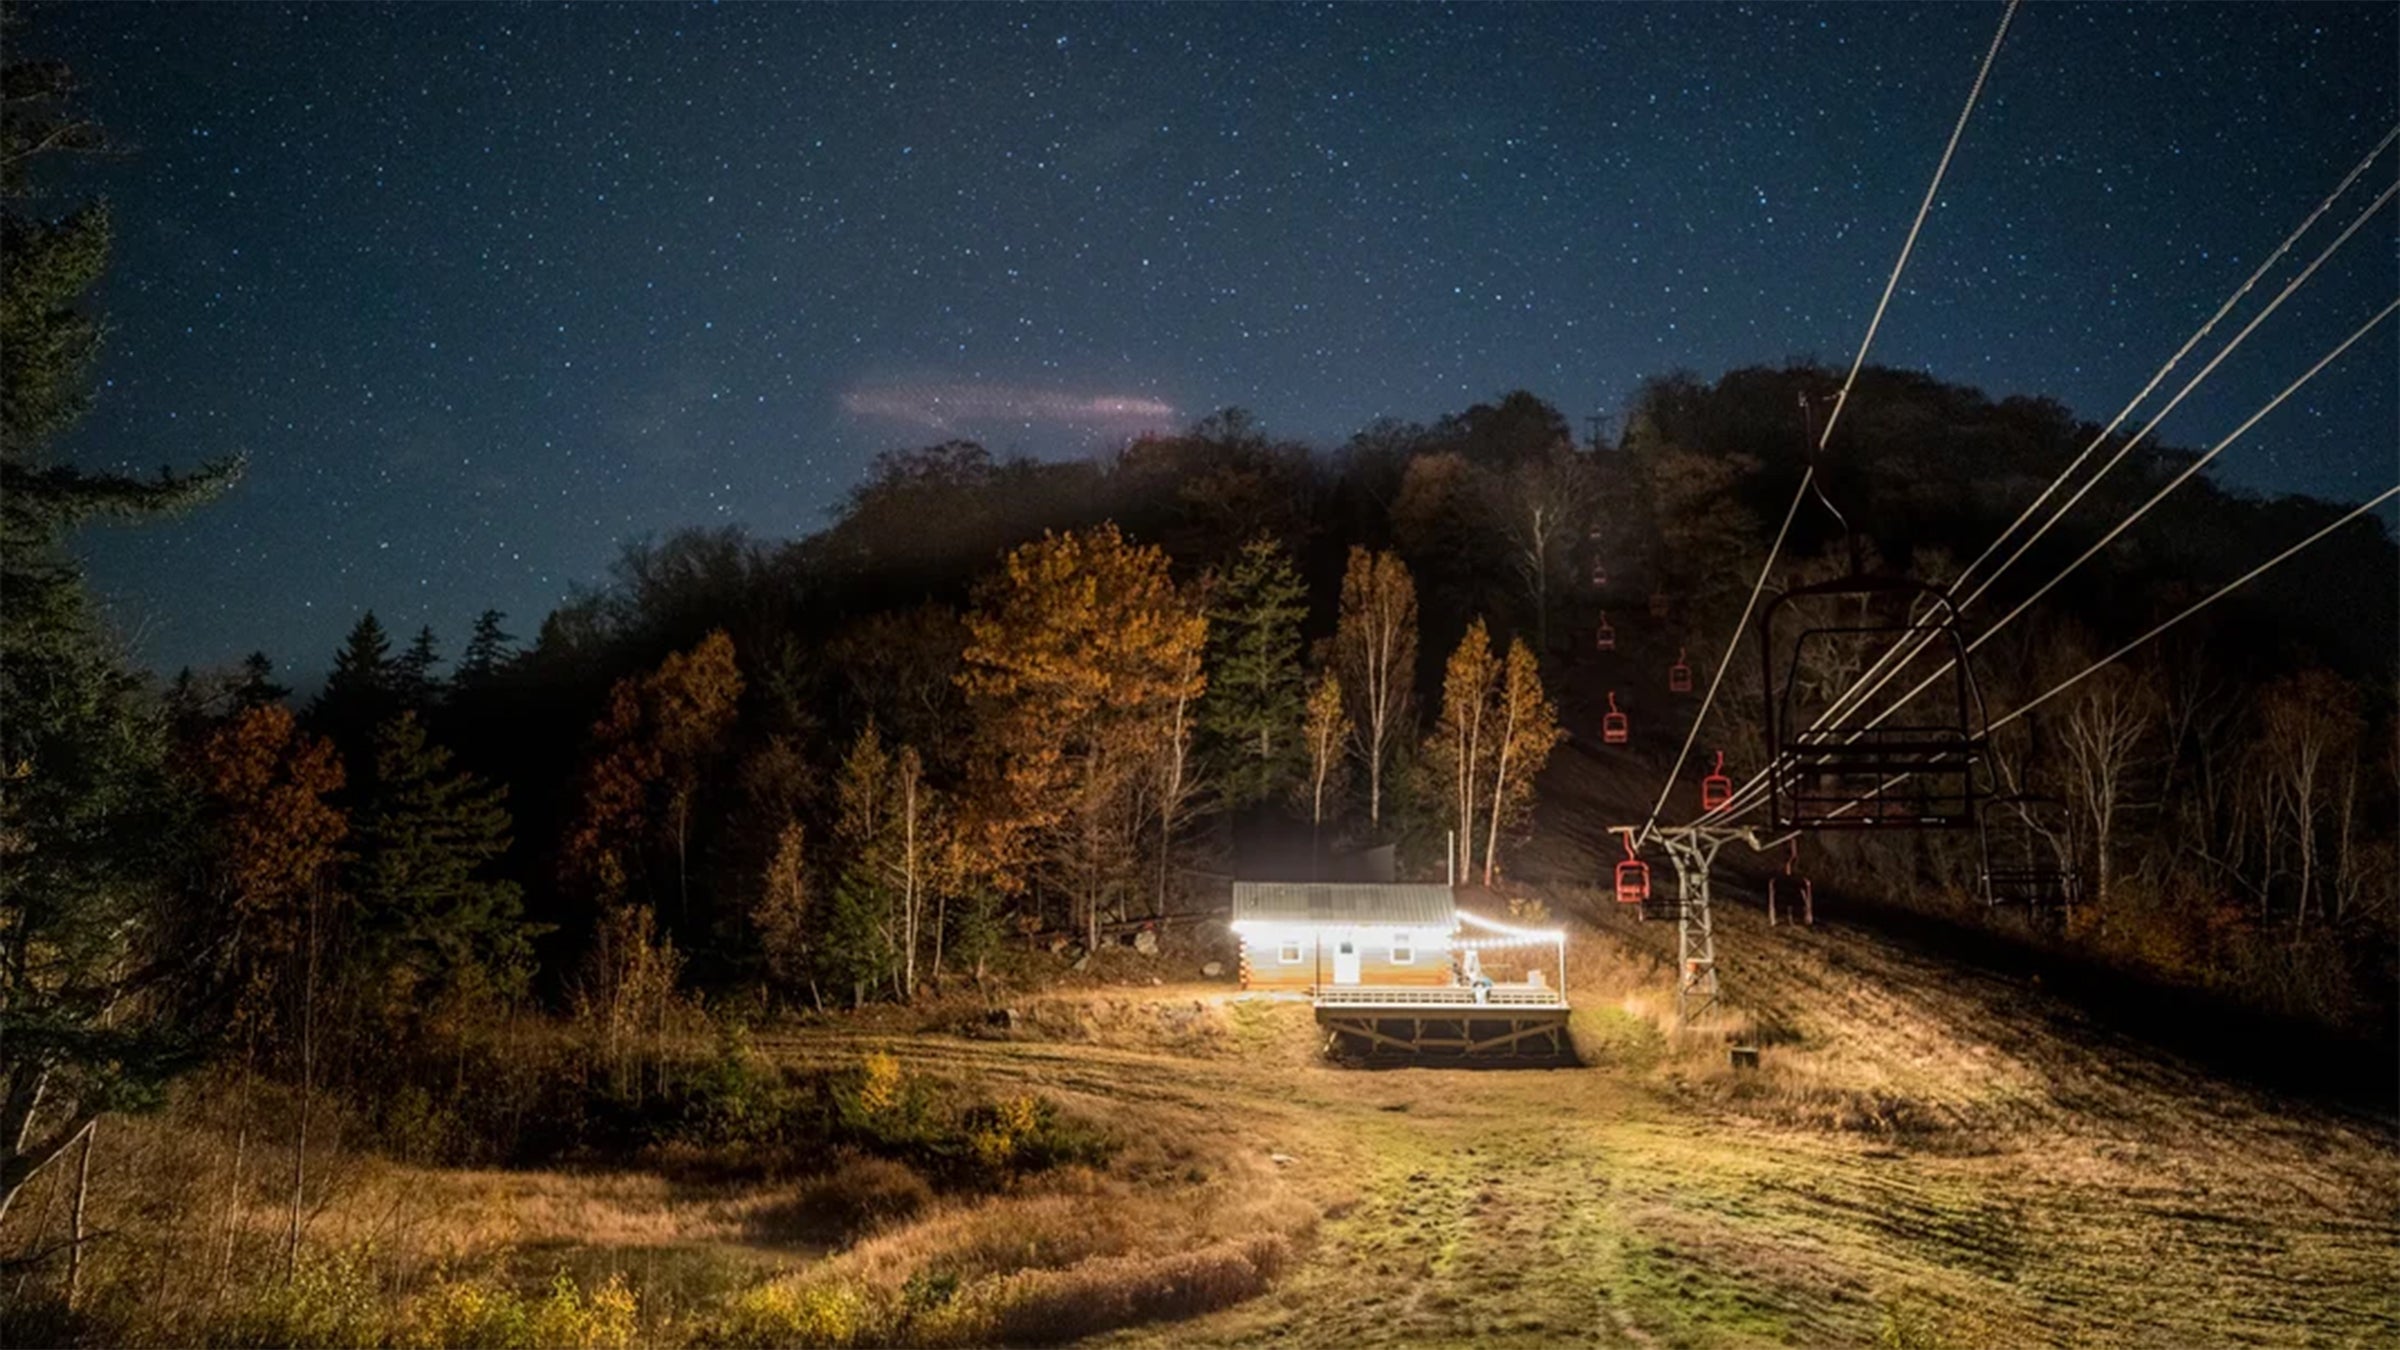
1345	960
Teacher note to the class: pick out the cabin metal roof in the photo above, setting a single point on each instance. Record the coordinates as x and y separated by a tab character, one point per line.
1372	904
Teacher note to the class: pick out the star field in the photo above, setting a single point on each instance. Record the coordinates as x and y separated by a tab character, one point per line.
484	291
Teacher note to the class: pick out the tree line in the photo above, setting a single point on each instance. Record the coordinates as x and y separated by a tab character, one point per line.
998	696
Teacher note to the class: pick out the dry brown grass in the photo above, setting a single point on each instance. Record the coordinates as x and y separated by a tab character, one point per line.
1923	1158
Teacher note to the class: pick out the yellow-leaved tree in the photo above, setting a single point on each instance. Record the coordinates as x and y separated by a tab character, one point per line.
1325	732
1375	649
1525	730
1081	653
1464	743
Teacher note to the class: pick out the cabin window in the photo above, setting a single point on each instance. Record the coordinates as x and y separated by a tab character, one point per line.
1404	949
1289	952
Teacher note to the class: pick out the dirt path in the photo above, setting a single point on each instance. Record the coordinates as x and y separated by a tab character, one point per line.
1927	1153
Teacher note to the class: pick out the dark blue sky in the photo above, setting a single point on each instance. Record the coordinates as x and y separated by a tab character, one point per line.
484	291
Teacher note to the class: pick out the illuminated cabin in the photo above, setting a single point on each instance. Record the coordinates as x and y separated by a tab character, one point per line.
1399	968
1305	936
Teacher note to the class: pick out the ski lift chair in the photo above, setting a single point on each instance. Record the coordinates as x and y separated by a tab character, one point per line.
1633	876
1914	771
1605	638
2028	845
1614	729
1717	788
1788	888
1599	574
1679	675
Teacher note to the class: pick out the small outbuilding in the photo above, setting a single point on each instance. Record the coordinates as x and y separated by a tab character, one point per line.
1303	936
1392	968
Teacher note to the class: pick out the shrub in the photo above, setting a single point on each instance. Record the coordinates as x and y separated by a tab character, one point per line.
486	1316
1050	1306
332	1301
730	1100
863	1192
790	1312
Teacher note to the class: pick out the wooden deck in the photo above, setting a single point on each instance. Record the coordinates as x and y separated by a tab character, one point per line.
1523	1022
1492	996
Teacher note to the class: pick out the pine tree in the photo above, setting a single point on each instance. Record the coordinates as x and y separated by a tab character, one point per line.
489	651
857	953
87	808
414	686
254	685
361	691
1255	685
438	930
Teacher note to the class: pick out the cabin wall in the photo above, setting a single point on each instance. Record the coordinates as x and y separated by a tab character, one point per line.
1263	966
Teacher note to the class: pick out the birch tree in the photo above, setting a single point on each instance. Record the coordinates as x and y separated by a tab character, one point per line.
1542	505
1375	649
2105	735
1460	748
1525	731
1325	732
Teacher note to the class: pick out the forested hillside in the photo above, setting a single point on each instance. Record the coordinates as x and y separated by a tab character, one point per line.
1001	717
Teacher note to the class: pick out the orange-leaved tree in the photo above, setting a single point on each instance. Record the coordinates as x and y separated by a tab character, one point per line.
1080	651
274	837
649	753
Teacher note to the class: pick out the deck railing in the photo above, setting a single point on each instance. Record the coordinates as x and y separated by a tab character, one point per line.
1494	996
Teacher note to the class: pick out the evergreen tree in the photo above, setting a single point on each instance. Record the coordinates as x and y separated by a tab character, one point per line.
87	809
1256	692
187	705
489	650
254	686
857	952
437	929
359	694
414	687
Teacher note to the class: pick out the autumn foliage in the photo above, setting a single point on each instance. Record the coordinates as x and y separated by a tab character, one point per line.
1080	651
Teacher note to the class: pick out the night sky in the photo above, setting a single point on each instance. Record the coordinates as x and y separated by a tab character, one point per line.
484	291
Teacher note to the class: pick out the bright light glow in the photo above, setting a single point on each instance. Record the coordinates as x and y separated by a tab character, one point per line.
1266	931
1522	934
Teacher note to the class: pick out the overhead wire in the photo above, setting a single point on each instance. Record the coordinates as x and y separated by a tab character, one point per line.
1841	400
1884	669
1842	706
1737	808
1871	688
2362	509
2185	475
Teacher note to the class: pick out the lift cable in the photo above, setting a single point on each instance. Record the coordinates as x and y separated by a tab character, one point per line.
1882	668
2363	508
1866	689
1738	806
1841	400
2198	463
1859	690
1870	682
